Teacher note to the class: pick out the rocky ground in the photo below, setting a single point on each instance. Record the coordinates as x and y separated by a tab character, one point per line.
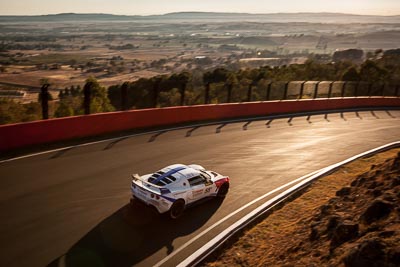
349	218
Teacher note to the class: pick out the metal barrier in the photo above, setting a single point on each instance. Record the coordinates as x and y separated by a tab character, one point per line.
53	130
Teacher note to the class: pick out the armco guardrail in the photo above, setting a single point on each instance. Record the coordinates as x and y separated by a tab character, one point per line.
39	132
203	252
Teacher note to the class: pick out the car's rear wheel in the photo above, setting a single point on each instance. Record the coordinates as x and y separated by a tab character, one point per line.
177	209
223	190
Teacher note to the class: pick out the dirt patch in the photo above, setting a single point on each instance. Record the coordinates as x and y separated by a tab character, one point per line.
349	218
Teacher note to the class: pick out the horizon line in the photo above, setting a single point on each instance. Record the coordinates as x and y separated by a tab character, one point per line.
210	12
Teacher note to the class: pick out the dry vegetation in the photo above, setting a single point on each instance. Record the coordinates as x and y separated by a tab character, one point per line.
67	52
349	218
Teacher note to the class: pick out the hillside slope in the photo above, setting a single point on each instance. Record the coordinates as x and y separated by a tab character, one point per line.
349	218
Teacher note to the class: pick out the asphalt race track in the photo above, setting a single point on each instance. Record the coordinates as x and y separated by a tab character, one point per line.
70	207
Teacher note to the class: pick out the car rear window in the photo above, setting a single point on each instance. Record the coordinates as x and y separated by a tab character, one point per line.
206	175
215	174
154	176
164	181
196	180
169	179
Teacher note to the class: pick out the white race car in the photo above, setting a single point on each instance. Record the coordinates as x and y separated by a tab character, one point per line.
174	187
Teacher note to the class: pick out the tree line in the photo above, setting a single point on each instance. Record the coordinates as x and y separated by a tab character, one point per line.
219	85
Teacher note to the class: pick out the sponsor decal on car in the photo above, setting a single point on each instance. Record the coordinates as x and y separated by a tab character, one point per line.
178	194
197	192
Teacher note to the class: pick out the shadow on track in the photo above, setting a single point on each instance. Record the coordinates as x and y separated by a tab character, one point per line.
326	117
374	114
113	143
61	153
289	122
191	129
132	234
268	124
246	125
189	133
390	114
219	128
154	137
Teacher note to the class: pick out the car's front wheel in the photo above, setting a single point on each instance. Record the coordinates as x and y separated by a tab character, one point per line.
177	209
223	190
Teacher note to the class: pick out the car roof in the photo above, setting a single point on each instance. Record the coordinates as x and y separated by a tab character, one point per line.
171	174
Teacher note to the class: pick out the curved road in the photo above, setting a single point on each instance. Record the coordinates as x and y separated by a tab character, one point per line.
69	207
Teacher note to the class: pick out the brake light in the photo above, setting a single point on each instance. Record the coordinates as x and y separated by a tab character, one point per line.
152	195
157	197
222	181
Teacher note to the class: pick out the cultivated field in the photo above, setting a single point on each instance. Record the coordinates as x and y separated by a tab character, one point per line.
67	49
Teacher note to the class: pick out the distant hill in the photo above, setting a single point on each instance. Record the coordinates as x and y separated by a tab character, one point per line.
284	17
68	17
211	16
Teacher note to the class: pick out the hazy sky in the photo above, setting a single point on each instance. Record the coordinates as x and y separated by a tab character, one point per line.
147	7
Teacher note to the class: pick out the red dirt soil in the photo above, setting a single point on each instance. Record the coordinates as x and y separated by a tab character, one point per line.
349	218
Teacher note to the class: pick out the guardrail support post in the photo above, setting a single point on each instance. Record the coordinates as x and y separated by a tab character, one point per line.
356	89
156	92
249	92
183	91
87	91
44	98
316	90
229	96
369	89
285	92
343	89
124	96
330	89
301	90
207	94
268	91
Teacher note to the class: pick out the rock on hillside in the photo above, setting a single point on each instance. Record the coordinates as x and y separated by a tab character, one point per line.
361	225
349	218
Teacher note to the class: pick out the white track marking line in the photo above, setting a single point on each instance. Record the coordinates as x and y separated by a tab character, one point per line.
229	216
315	175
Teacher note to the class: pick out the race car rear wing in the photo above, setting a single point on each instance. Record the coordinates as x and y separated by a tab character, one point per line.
136	177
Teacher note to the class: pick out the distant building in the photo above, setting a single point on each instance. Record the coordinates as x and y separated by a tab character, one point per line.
353	55
203	60
392	52
257	62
